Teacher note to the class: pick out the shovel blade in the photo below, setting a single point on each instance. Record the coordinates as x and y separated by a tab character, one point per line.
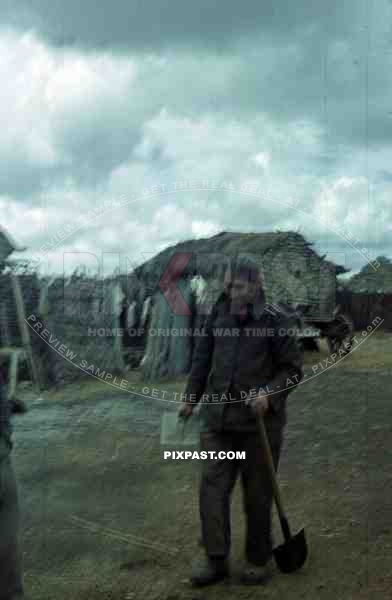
291	555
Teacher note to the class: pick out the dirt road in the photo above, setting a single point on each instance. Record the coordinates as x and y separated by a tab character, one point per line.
105	516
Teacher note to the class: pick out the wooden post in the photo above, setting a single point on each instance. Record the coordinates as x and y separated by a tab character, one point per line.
21	315
13	375
5	334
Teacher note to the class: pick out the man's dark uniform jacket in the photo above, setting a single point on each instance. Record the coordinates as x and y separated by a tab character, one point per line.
260	351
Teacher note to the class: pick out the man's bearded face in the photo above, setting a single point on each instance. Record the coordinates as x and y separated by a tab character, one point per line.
242	289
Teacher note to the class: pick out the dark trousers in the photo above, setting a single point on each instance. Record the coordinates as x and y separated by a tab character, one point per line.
217	482
10	569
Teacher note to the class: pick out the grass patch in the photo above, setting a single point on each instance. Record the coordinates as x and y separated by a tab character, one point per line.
373	353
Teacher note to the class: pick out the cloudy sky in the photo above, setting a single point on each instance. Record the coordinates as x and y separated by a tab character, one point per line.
101	101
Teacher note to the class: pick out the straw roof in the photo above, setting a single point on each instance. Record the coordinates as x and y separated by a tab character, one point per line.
373	280
293	270
232	244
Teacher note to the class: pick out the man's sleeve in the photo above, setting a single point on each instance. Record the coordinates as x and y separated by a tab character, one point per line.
201	362
288	362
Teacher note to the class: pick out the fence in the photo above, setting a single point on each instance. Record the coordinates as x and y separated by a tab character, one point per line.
69	309
364	307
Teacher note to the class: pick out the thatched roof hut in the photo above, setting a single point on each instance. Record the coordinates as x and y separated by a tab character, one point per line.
7	246
373	280
370	294
294	272
10	334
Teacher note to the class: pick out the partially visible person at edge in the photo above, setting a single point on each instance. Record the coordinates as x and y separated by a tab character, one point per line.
11	585
227	365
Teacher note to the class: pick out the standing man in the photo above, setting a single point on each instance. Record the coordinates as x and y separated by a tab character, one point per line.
11	587
245	362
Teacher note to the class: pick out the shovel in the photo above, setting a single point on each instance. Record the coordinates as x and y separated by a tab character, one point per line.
291	555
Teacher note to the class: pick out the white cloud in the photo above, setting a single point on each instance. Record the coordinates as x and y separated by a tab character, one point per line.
79	128
262	159
48	96
204	228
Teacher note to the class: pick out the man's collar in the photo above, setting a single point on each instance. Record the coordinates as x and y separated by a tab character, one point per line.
258	309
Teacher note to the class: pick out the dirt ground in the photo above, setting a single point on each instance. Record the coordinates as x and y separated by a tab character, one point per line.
105	516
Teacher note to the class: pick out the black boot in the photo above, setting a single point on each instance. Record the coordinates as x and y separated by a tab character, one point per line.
256	575
208	571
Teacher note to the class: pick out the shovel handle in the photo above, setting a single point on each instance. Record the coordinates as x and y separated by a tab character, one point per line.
271	468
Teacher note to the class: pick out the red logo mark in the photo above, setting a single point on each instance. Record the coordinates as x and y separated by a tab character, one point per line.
168	283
